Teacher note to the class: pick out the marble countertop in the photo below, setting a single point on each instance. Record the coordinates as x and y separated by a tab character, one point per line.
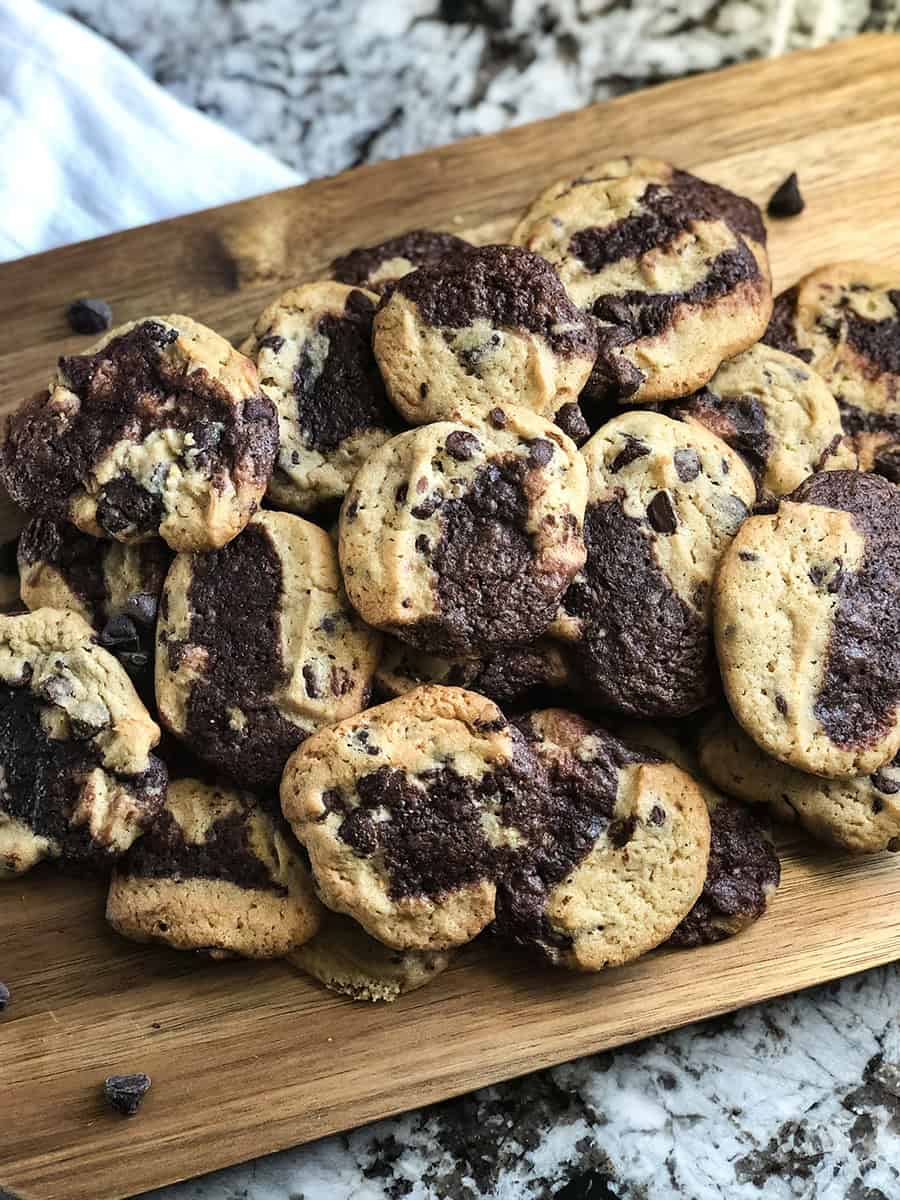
797	1098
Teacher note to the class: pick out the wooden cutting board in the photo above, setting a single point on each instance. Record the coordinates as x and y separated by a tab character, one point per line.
247	1059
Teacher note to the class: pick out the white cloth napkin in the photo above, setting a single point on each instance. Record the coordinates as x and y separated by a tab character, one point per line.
89	144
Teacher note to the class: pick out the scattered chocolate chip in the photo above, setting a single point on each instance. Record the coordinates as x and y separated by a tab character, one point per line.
309	679
351	510
747	556
877	806
124	1093
687	464
89	316
781	705
423	543
661	514
273	342
621	832
497	418
786	200
461	445
657	815
570	419
428	507
5	996
634	448
540	452
423	390
401	493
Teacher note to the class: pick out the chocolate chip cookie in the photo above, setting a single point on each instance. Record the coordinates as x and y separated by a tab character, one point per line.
807	622
257	647
673	269
744	870
160	429
607	849
844	320
777	413
399	809
313	351
220	873
344	958
664	501
375	267
493	326
460	537
77	779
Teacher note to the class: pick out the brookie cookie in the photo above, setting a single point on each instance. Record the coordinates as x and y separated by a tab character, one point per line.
776	412
607	846
664	501
344	958
160	429
375	267
744	870
77	779
506	676
461	537
844	319
313	351
493	326
399	809
257	647
860	814
807	622
220	873
673	268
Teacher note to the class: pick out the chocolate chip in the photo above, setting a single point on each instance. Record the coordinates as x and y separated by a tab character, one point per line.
687	464
461	445
570	419
423	390
309	679
119	633
781	705
423	544
273	342
497	418
401	494
877	806
428	507
657	815
747	556
351	510
89	316
540	452
134	661
634	448
616	312
621	832
141	607
786	200
124	1093
661	514
5	996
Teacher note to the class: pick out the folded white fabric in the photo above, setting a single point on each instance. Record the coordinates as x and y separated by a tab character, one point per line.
89	144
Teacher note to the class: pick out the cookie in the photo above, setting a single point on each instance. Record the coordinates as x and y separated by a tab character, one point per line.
493	326
777	413
460	537
399	811
220	873
160	429
375	267
77	779
257	647
10	595
807	623
673	268
507	676
313	351
344	958
861	814
608	846
744	870
664	500
844	320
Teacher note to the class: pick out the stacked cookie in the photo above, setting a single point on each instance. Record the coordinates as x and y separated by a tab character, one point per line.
428	582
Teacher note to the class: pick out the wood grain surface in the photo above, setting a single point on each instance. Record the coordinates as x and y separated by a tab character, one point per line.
247	1059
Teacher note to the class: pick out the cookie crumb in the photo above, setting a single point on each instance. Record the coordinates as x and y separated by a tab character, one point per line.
786	200
89	316
5	996
125	1093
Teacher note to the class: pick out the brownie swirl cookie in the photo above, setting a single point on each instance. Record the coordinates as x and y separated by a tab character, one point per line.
460	537
608	846
861	814
313	351
220	873
777	413
399	809
77	779
744	870
807	623
664	500
376	267
257	647
844	320
673	268
160	429
493	326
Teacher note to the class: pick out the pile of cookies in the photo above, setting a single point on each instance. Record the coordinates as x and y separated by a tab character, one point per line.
486	588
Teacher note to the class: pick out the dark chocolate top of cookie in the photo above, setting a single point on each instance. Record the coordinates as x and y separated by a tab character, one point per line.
740	421
235	601
419	246
877	341
744	870
504	676
860	688
125	391
643	649
507	286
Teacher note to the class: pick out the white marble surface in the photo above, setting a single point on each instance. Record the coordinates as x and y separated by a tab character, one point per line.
797	1098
